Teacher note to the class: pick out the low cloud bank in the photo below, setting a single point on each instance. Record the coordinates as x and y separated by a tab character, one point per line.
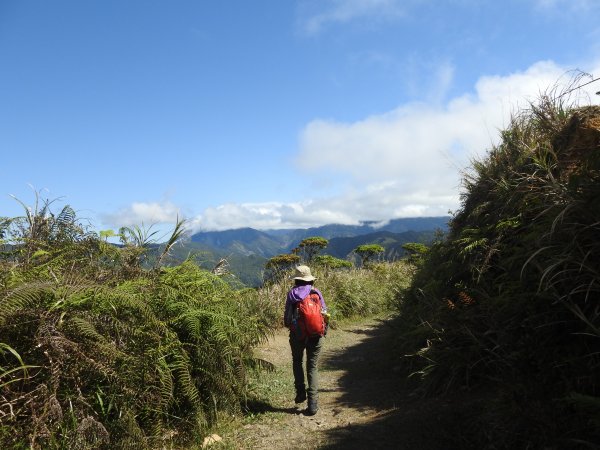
402	163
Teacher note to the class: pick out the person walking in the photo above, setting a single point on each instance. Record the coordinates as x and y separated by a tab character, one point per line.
306	316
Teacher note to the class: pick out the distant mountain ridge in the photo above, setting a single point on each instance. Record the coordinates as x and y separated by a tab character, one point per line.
247	250
391	242
244	241
267	243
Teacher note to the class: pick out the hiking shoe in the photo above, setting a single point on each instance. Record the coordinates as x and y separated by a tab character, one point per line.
310	411
300	397
312	408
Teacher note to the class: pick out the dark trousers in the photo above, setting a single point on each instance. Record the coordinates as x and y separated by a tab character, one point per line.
313	348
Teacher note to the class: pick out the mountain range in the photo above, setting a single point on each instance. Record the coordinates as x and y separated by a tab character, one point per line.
248	249
267	243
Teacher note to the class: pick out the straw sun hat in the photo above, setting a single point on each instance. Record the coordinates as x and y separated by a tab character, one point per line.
303	273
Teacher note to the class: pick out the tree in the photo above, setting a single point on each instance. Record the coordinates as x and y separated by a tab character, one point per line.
279	265
311	246
367	252
416	251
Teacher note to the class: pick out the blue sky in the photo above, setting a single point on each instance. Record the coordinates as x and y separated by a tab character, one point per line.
269	113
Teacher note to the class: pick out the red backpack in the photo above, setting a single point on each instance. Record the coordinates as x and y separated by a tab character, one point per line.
310	321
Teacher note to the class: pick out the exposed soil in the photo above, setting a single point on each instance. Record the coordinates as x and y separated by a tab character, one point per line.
363	402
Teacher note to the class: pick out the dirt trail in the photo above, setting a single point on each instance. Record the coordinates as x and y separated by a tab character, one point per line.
361	400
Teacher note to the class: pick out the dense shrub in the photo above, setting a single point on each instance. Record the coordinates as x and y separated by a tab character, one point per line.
98	352
508	301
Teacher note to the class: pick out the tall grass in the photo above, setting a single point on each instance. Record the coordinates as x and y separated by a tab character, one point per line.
508	301
354	292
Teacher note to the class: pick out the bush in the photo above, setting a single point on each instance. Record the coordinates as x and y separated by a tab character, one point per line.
505	300
98	352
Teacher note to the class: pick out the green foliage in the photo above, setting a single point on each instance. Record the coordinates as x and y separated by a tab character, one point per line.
174	238
99	352
505	301
282	262
365	291
279	266
348	293
331	262
16	370
415	248
40	232
311	246
367	252
416	252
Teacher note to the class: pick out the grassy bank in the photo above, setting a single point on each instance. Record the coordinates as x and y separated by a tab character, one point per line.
507	303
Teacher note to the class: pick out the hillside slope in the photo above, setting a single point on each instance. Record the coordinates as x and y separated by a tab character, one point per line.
391	242
247	250
242	241
508	302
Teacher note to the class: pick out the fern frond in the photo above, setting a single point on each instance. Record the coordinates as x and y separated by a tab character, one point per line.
25	296
180	366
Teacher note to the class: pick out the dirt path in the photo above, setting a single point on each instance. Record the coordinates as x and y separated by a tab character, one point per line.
362	403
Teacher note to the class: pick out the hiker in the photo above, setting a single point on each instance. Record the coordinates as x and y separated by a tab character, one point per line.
306	316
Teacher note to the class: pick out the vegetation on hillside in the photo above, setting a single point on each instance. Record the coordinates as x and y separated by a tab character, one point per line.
368	252
310	247
102	346
331	262
507	304
349	291
247	251
99	352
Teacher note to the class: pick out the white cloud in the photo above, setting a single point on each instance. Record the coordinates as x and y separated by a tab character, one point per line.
402	163
378	203
342	11
268	215
143	213
423	144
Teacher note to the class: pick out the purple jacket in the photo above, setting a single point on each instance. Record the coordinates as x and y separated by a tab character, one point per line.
295	295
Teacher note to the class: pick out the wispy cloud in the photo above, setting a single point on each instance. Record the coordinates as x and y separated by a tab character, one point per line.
143	213
326	12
